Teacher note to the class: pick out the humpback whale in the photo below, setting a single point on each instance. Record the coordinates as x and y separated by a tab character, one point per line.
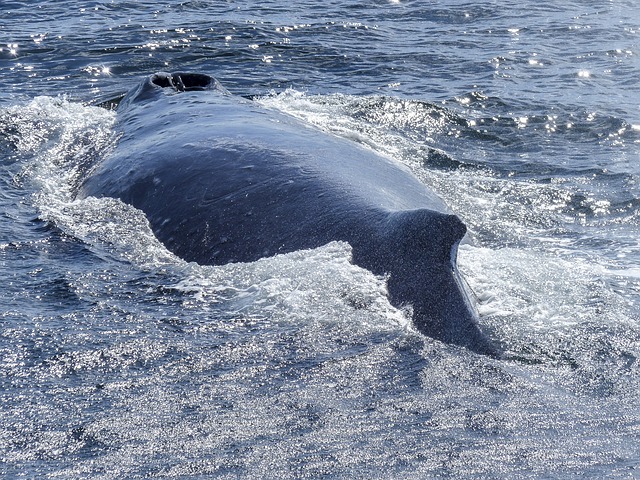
223	179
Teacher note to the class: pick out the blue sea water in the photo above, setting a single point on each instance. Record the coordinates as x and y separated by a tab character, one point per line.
119	360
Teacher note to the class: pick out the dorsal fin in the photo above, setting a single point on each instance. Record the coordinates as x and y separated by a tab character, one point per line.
431	232
419	250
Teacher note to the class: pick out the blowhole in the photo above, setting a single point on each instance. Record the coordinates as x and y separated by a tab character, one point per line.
182	82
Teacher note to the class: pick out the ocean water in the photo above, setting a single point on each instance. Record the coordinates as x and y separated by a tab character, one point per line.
119	360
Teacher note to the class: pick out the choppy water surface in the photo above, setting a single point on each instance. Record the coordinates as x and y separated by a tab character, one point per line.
119	360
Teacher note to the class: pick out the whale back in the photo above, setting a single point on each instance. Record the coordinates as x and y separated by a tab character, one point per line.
222	179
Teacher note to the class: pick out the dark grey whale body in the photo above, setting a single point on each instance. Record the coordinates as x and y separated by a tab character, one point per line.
222	179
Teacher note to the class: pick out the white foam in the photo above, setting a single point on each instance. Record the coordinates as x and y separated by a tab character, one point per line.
63	139
318	285
530	290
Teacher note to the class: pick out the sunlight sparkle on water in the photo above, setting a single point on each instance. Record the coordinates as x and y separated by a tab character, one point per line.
98	70
13	48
